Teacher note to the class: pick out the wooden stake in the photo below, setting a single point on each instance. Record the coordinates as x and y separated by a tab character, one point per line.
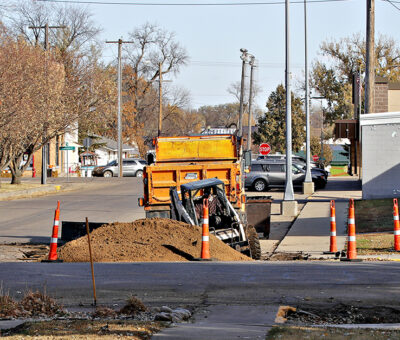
91	261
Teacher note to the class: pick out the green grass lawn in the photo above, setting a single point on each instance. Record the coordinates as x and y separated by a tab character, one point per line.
339	171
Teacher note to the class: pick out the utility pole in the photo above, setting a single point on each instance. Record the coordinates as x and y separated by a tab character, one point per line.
119	121
252	66
43	178
160	112
244	59
308	185
370	62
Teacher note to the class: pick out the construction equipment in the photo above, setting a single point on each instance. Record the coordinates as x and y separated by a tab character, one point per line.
224	221
180	160
179	163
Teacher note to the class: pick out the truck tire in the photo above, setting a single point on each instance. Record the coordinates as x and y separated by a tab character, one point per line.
254	242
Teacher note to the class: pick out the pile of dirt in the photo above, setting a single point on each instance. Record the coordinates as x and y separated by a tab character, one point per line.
154	239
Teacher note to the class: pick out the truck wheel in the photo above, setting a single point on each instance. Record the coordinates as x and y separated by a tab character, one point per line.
254	242
260	185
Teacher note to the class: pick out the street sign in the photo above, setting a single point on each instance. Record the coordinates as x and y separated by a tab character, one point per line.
87	142
264	149
315	158
67	148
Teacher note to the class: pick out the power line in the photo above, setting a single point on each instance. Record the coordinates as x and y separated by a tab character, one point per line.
391	2
187	4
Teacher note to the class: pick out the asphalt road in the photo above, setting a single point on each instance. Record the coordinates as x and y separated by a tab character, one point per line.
108	200
190	284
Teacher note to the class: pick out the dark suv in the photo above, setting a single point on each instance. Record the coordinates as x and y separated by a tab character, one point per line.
272	174
130	167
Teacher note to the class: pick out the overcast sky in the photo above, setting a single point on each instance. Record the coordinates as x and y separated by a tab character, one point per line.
213	36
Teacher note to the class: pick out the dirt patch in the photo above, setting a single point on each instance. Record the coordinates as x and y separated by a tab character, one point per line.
155	239
343	314
22	252
288	256
84	329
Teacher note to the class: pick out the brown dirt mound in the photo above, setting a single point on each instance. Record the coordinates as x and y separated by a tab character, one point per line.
154	239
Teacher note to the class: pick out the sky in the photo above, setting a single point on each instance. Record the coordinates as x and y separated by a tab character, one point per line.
213	36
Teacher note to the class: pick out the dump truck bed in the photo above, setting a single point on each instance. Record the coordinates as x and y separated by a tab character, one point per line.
181	160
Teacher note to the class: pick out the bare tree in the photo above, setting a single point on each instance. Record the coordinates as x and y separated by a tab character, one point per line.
151	46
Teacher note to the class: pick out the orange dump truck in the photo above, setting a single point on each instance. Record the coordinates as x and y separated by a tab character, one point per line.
180	160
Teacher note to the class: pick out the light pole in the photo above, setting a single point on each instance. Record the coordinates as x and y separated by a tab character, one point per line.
308	185
244	59
252	66
289	205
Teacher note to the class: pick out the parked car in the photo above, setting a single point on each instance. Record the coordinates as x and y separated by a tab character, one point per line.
130	167
279	156
272	174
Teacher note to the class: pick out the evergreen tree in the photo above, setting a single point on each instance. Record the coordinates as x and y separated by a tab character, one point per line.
272	124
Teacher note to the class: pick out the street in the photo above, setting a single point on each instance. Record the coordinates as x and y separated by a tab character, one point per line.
191	284
31	220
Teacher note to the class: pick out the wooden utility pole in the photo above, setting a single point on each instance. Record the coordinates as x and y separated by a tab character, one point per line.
119	81
370	62
46	28
160	113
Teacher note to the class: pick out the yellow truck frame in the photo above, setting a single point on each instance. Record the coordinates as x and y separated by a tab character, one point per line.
180	160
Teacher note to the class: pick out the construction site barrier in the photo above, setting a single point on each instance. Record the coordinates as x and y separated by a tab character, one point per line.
332	243
205	242
54	237
396	225
351	235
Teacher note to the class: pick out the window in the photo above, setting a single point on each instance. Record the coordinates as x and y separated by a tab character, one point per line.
142	162
275	168
256	167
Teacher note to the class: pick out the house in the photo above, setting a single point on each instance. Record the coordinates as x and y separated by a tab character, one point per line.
108	150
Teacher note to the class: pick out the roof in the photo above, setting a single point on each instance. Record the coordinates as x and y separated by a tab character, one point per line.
113	145
201	184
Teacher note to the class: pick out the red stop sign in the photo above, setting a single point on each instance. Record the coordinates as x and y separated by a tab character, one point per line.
315	158
264	149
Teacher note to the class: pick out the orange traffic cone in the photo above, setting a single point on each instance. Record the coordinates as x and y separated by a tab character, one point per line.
205	243
54	237
333	245
396	225
351	235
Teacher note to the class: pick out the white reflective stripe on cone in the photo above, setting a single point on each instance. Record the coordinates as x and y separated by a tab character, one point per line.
397	232
53	240
205	220
333	219
396	218
351	221
206	238
352	238
333	233
57	223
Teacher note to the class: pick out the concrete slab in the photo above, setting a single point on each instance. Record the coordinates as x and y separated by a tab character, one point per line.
224	322
310	232
8	324
289	208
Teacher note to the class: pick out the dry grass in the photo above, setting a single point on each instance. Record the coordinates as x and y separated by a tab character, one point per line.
33	304
84	329
104	312
133	306
374	215
373	244
7	187
328	333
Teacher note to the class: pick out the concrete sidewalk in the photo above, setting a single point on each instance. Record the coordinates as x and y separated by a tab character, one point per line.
310	231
